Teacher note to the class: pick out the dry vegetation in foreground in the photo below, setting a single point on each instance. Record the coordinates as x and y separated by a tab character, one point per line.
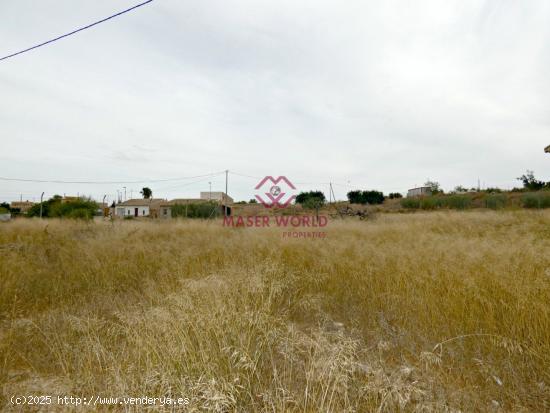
446	311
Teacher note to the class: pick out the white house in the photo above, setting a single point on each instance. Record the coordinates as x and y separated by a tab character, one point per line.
138	208
423	190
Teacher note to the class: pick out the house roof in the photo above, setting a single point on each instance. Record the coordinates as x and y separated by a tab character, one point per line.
547	149
153	203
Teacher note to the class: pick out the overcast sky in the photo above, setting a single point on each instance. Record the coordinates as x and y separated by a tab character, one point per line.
374	94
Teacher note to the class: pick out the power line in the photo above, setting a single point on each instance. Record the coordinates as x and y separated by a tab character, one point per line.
75	31
44	181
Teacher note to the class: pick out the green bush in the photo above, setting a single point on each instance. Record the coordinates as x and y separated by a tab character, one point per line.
496	201
4	210
196	210
458	202
365	197
304	197
430	203
437	202
410	203
54	207
536	200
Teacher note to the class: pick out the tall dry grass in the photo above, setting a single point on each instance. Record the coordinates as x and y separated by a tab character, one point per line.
443	311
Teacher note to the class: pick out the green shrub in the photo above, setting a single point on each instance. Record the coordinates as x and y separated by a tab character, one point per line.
496	201
365	197
4	210
458	202
54	207
536	200
395	195
197	210
303	197
430	203
410	203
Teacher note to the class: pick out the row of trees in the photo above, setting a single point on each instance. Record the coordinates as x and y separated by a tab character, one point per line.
315	199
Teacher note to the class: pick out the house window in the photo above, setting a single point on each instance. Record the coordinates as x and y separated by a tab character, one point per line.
165	211
143	212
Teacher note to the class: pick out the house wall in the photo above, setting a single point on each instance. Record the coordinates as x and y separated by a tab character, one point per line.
128	211
165	212
419	192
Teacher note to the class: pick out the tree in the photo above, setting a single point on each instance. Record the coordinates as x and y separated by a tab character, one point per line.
531	183
395	195
304	197
366	197
253	201
146	192
435	187
53	207
355	197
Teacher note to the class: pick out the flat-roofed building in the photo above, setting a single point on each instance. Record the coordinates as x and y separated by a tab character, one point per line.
138	208
22	206
420	191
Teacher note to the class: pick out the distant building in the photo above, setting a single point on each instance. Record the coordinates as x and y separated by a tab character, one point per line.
421	191
22	206
138	208
547	149
217	196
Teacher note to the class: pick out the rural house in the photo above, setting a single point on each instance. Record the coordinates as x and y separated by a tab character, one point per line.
138	208
421	191
22	206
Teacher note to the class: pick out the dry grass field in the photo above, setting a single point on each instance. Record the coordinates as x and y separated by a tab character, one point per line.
442	311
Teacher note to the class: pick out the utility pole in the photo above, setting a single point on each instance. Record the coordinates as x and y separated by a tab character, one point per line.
210	183
330	193
225	200
124	193
41	198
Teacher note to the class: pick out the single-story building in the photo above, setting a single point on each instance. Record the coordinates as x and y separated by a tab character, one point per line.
138	208
421	191
22	206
